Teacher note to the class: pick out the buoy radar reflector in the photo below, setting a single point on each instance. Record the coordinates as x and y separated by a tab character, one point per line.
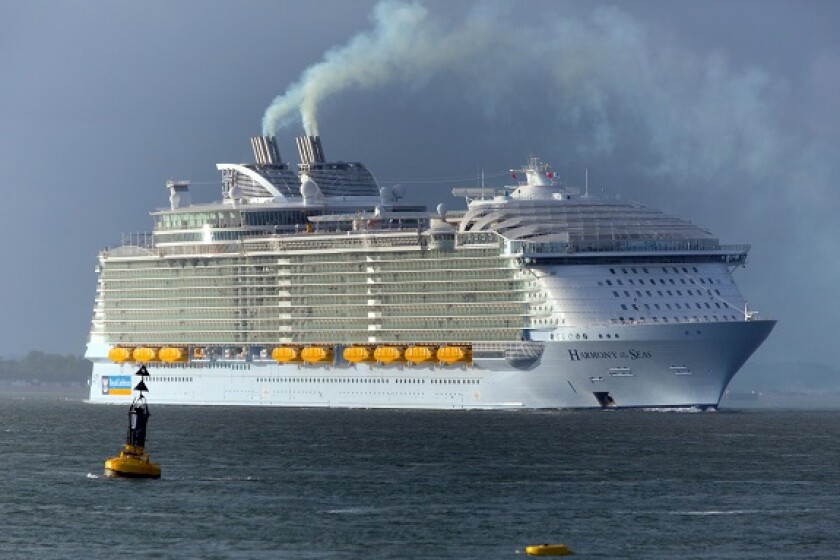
133	461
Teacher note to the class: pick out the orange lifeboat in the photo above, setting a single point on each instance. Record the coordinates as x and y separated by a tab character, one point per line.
356	354
119	354
387	354
418	354
315	354
144	354
170	354
452	354
285	354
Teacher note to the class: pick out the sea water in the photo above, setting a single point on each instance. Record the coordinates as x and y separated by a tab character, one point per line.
298	483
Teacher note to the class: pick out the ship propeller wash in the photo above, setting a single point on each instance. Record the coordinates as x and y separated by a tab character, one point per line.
315	286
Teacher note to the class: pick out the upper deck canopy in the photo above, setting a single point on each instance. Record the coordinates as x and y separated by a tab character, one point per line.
581	220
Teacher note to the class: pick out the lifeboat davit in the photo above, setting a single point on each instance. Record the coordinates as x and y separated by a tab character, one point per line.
285	354
315	354
387	354
118	354
418	354
548	550
356	354
144	354
133	461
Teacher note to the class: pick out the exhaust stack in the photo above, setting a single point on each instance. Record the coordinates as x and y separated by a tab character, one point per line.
310	150
265	150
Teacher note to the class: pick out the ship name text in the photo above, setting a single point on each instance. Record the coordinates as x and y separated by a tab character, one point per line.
632	354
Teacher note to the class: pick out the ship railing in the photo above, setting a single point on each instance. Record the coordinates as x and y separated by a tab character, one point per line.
316	242
141	239
527	248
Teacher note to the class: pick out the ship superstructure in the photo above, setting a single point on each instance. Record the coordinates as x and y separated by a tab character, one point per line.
319	287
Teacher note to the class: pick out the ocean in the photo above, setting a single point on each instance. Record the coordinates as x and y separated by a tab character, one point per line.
298	483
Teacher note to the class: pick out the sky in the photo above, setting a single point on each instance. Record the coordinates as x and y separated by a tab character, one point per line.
724	113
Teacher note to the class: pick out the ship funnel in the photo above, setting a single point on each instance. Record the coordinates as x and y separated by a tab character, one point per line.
265	150
310	150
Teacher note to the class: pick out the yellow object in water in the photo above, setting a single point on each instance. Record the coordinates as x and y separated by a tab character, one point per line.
284	354
314	354
144	354
355	354
451	354
417	354
170	354
548	550
132	462
386	354
119	354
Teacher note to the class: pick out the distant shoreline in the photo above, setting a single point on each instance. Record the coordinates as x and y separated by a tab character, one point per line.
45	389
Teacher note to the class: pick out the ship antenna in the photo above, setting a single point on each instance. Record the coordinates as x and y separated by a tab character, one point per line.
587	183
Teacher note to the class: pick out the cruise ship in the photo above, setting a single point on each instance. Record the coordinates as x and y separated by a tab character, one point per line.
315	286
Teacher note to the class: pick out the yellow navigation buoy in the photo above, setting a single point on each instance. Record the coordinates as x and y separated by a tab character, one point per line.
133	461
548	550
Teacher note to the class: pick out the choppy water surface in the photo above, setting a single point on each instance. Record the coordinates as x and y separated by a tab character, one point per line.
274	483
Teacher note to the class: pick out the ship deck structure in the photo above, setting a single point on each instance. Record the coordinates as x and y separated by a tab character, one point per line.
317	287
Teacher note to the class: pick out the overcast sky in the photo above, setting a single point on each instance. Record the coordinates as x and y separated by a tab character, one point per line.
724	113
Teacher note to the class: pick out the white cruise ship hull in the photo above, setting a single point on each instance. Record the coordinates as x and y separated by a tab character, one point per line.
675	365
